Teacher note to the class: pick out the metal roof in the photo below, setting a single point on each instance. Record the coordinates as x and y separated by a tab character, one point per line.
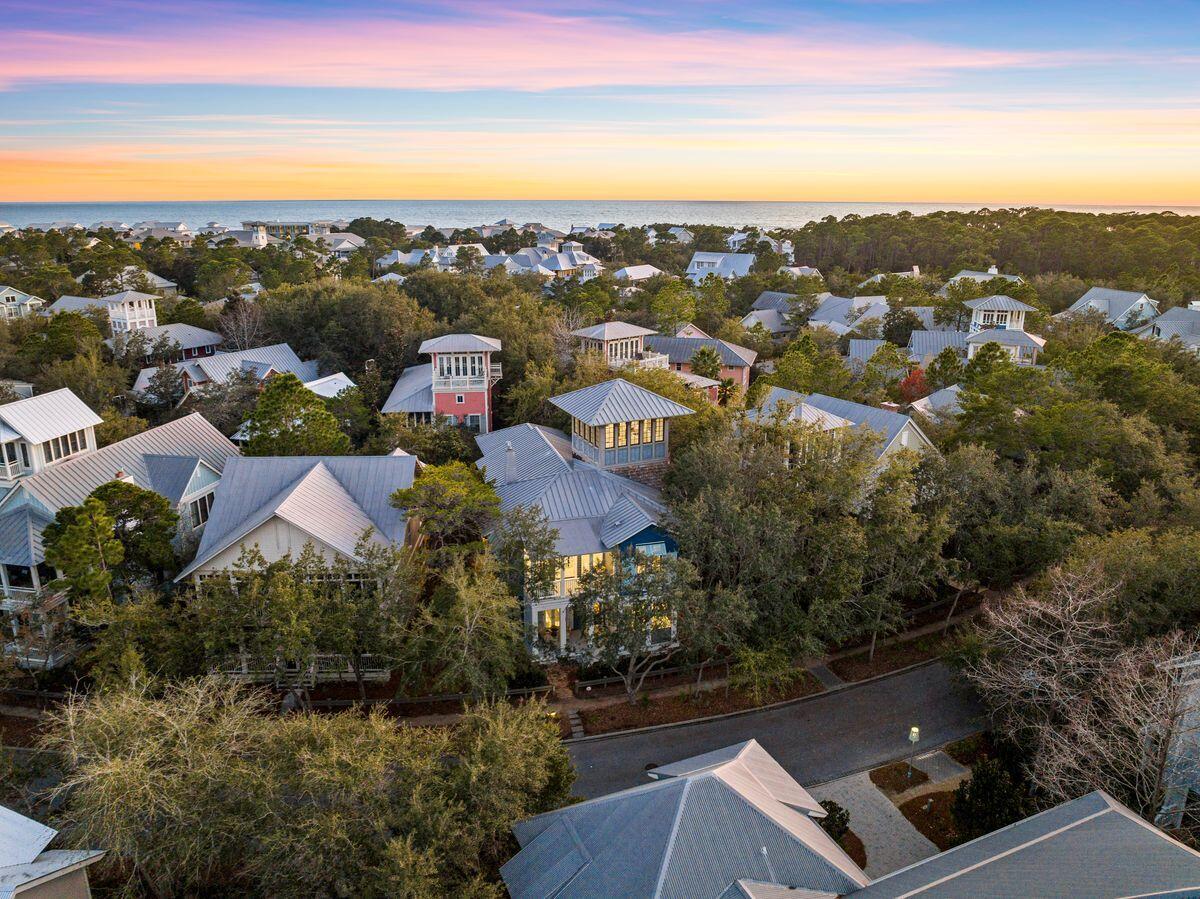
46	867
537	452
862	349
774	299
1092	846
780	398
610	402
332	498
69	482
940	401
1115	304
70	303
221	366
21	839
1007	337
882	421
772	319
682	349
930	343
460	343
686	835
413	391
330	385
189	337
757	889
21	536
613	331
47	415
999	303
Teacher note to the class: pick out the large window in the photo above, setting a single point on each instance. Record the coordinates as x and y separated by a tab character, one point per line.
200	509
68	445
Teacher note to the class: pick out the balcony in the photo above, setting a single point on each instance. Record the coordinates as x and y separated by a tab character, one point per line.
644	359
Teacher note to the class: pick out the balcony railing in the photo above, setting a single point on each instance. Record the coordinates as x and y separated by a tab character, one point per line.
642	360
468	382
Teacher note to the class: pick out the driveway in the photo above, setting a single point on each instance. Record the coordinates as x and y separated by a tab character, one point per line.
816	740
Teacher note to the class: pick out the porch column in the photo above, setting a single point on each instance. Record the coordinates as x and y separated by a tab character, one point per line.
562	630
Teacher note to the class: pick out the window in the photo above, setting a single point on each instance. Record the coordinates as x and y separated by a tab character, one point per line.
67	445
622	434
635	433
658	430
459	398
609	441
647	431
200	509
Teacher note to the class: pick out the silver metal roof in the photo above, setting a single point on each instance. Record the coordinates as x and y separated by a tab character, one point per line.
862	349
47	415
930	343
610	402
999	303
682	349
332	498
1007	337
413	391
189	337
1115	304
689	834
613	331
21	839
460	343
780	398
774	299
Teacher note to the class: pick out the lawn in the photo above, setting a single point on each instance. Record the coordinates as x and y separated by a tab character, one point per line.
684	707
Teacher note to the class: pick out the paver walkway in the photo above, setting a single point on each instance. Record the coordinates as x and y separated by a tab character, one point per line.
890	841
825	675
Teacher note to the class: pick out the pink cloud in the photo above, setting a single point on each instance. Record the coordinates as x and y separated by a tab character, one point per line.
515	50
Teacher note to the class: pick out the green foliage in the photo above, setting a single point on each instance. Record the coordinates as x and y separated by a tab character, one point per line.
898	325
291	420
145	524
523	543
453	503
987	801
434	444
117	427
836	822
706	362
81	543
673	305
763	673
945	369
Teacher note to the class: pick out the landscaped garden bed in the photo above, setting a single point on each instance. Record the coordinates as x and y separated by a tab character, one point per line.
854	848
685	706
971	750
933	815
892	657
897	777
19	730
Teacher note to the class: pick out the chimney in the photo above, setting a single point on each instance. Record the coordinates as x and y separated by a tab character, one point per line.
916	271
992	270
510	463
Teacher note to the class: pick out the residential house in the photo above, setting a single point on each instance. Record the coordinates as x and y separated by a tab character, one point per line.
442	259
281	504
980	278
181	460
261	363
128	310
739	239
621	344
924	346
132	277
895	430
1001	320
28	870
736	361
841	315
457	383
18	303
39	431
733	824
600	517
799	271
189	342
327	388
63	225
389	278
681	235
914	272
243	238
6	228
724	265
112	224
340	245
772	310
942	402
1125	310
1180	323
278	229
632	274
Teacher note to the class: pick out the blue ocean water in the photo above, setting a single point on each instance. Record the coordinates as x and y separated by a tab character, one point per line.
560	214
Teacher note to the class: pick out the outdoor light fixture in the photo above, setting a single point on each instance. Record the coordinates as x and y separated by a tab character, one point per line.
914	735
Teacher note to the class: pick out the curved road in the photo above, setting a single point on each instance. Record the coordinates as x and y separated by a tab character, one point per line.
829	736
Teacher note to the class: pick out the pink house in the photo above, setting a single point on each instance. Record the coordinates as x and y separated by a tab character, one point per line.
456	384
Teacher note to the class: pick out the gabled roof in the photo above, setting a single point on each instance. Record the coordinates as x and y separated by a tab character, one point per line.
636	272
774	299
78	304
221	366
1115	304
537	452
681	349
330	385
1092	846
189	337
999	303
612	331
1007	337
413	391
691	833
780	399
334	499
724	265
774	321
47	415
930	343
21	839
940	401
862	349
882	421
610	402
69	482
460	343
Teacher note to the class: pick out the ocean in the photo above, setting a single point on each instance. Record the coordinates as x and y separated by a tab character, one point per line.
560	214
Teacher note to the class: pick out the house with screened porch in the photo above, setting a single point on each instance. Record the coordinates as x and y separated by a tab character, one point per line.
597	490
457	383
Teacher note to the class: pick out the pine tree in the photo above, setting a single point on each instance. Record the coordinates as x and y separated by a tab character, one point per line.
81	543
291	420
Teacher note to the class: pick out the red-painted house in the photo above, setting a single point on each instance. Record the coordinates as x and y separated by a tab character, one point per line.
457	383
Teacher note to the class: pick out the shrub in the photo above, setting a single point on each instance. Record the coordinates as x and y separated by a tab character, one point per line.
987	801
836	821
762	672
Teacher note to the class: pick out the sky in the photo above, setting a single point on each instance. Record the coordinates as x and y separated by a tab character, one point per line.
841	100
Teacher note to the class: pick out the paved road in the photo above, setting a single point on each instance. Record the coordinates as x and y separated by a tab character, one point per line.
830	736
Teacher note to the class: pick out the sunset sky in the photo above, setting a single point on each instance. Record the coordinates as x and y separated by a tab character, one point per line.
901	100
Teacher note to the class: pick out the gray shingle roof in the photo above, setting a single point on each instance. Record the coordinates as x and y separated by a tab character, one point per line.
47	415
1092	846
610	402
683	836
461	343
999	303
332	498
682	349
613	331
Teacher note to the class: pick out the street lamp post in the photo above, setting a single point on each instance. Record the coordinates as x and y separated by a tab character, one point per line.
914	737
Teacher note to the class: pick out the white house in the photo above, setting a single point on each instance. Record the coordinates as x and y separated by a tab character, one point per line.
1001	320
1181	323
980	278
681	235
1125	310
724	265
131	277
28	870
128	310
739	239
914	272
40	431
18	303
634	273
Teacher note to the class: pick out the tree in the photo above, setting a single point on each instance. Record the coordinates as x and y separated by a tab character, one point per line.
145	524
673	305
945	370
524	545
706	362
913	386
95	381
987	359
116	427
455	506
468	261
434	444
628	610
226	404
987	801
898	325
470	634
242	324
763	673
836	822
291	420
164	390
81	543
